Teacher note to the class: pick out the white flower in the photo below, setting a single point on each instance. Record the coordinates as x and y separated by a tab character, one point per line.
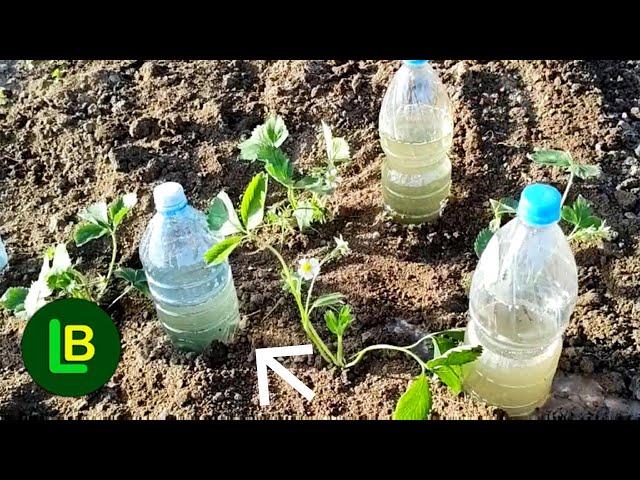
308	268
332	178
130	200
61	260
342	246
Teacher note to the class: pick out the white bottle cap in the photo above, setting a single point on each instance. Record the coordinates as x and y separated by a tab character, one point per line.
169	196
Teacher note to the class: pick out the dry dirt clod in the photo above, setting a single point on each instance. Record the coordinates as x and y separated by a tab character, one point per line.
143	127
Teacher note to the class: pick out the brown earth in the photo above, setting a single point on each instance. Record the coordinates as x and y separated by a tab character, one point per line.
111	127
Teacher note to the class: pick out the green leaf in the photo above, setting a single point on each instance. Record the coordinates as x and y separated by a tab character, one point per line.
332	321
277	165
274	132
415	402
456	356
120	207
579	214
482	240
450	377
553	158
303	214
85	232
586	171
328	300
595	235
13	299
249	149
62	281
217	214
221	250
97	214
455	334
136	278
232	225
504	206
252	206
442	344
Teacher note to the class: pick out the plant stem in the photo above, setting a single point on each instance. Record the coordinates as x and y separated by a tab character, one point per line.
292	198
114	252
340	354
304	317
126	290
568	187
404	350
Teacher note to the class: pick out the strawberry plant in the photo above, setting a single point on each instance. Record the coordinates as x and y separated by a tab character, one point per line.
244	228
306	195
59	277
585	228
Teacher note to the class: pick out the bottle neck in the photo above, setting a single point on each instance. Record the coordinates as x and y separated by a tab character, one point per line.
172	211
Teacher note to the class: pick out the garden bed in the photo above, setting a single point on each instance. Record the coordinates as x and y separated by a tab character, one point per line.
106	128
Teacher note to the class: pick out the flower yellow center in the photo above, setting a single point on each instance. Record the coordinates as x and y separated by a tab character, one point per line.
306	267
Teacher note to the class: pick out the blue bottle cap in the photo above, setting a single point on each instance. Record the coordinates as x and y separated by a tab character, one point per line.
539	205
415	63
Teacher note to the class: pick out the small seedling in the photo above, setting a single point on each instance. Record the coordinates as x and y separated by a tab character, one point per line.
58	276
306	194
244	227
586	228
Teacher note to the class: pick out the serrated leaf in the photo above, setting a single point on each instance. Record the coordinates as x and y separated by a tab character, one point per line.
442	344
307	183
85	232
63	280
221	250
482	240
331	320
450	377
456	356
252	205
97	214
586	171
13	299
274	131
277	165
328	300
136	278
579	214
415	402
120	207
553	158
594	235
249	148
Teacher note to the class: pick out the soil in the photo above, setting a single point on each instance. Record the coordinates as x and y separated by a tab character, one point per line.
110	127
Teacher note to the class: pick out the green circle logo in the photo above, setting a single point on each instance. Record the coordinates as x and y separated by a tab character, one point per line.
71	347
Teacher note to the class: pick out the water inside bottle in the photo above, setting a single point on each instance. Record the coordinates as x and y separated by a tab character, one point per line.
416	172
193	327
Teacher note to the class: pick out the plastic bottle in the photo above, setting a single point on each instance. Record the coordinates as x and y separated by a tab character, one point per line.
522	295
3	256
416	132
196	303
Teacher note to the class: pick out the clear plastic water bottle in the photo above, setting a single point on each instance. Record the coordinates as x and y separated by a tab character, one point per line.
3	256
196	303
416	132
522	295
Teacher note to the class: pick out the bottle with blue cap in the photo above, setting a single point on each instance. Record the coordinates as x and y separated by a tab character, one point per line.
196	303
522	294
416	132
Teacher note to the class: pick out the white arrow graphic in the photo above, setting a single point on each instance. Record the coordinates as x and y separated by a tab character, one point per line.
265	357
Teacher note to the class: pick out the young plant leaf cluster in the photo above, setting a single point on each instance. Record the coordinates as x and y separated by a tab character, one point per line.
306	194
587	229
244	227
58	276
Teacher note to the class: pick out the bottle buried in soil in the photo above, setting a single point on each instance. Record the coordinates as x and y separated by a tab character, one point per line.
3	256
196	303
416	131
522	295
